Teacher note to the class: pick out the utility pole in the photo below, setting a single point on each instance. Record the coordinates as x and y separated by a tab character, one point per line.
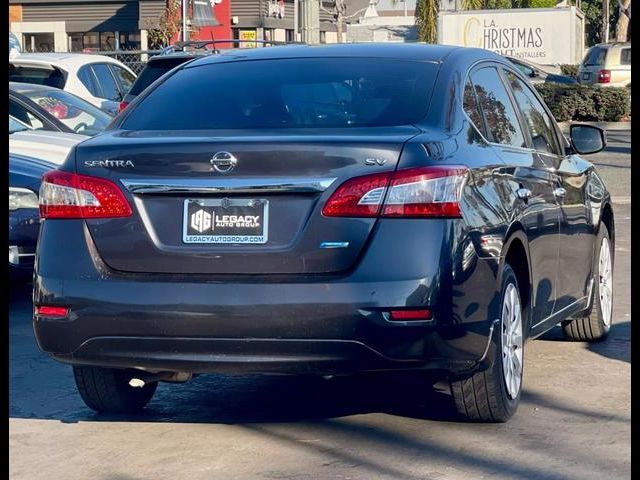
184	20
605	20
310	13
296	6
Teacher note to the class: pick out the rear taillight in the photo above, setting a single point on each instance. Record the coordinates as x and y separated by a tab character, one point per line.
69	195
415	192
604	76
122	106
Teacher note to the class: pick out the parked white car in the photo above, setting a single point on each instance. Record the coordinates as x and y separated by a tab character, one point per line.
45	145
101	80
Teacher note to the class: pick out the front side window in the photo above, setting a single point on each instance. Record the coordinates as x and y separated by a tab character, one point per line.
501	119
288	93
538	121
125	78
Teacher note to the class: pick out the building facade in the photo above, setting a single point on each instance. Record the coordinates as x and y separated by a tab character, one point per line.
108	25
100	25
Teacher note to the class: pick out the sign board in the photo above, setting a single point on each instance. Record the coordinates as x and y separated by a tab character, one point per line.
247	35
541	35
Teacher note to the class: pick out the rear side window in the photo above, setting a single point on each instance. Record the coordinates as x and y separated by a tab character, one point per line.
472	109
538	122
625	56
595	56
85	75
52	77
502	122
288	93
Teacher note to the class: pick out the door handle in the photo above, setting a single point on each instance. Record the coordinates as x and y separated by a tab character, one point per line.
523	193
559	192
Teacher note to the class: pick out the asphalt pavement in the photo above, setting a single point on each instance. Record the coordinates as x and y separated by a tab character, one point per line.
573	422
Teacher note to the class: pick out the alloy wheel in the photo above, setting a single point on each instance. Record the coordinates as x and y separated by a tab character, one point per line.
512	340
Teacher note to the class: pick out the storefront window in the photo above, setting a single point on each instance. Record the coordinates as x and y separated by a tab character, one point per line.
129	41
107	41
90	41
38	42
75	42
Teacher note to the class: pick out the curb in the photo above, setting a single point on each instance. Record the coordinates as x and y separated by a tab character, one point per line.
619	126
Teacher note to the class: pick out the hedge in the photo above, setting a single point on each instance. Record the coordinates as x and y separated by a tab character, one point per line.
568	69
584	103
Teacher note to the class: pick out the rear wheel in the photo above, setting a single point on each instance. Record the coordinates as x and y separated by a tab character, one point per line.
107	390
596	326
493	395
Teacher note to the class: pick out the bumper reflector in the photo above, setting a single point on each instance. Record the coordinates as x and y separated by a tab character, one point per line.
404	315
48	311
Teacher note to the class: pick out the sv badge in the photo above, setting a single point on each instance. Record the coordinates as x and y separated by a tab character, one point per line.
375	161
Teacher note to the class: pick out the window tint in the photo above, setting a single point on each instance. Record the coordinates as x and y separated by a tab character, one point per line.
595	56
106	82
536	118
501	118
88	80
51	77
288	93
526	71
472	109
124	77
625	56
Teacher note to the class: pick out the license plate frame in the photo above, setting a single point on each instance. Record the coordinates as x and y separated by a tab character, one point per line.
213	207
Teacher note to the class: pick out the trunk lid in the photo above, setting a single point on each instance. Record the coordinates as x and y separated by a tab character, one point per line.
272	197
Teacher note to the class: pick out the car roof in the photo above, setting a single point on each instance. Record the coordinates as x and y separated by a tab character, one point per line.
63	60
402	51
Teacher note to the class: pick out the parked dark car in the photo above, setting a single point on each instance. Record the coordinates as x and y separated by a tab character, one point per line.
324	210
47	108
172	56
24	218
538	73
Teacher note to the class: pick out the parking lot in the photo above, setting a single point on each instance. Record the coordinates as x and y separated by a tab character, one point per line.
573	422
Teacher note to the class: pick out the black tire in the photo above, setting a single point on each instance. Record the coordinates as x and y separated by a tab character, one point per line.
593	328
483	396
107	390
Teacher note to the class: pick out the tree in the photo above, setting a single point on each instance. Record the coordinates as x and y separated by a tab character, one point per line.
169	24
623	33
427	20
338	11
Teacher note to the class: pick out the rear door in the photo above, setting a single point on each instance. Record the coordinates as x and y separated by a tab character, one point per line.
248	199
536	207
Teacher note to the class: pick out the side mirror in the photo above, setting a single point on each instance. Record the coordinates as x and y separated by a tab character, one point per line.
534	74
586	139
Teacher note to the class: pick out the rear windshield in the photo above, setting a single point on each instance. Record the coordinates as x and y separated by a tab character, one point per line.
595	56
39	75
152	72
288	93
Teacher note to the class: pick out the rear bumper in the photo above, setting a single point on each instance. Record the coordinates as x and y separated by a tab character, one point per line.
319	325
23	234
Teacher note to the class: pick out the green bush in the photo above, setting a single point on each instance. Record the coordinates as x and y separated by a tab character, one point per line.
568	69
583	103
